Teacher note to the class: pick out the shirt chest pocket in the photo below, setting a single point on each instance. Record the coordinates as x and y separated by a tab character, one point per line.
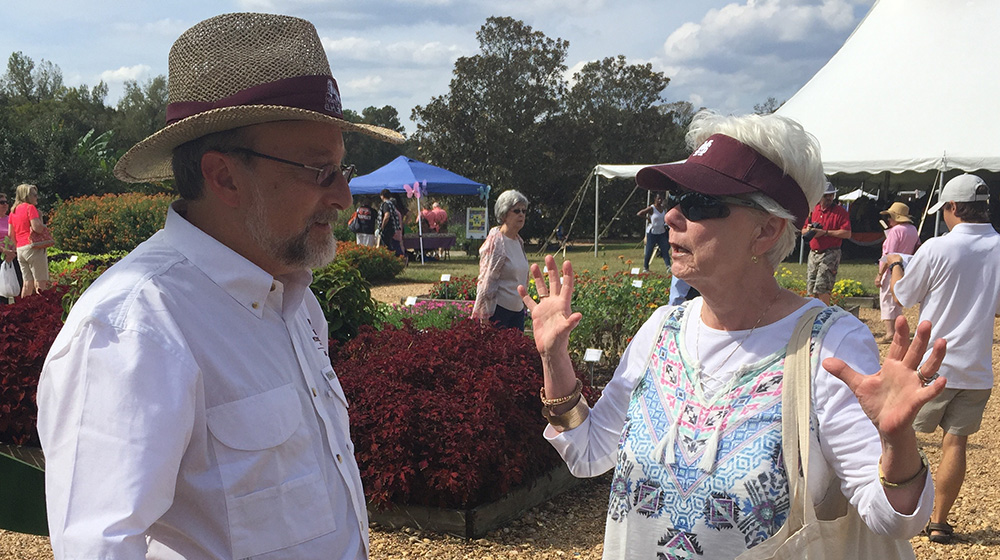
276	495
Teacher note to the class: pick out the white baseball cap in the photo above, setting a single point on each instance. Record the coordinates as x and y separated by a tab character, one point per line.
964	188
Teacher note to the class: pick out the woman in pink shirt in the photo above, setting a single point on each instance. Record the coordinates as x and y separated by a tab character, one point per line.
25	219
900	238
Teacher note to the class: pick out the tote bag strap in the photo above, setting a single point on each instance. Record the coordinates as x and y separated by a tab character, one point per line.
796	397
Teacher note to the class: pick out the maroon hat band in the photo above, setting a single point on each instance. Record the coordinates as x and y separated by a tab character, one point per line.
725	166
312	93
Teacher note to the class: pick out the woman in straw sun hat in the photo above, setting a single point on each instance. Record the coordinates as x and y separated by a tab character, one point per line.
900	238
188	408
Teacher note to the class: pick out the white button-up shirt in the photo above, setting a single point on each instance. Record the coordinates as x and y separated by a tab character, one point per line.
188	409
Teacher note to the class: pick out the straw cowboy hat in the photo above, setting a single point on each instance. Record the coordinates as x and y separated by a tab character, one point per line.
899	212
237	70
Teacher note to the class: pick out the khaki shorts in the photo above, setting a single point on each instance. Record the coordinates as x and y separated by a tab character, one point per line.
34	264
958	411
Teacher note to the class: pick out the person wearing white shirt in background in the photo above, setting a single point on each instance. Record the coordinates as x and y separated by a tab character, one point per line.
956	279
188	408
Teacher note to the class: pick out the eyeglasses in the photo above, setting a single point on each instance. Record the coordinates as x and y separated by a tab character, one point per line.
3	202
325	176
698	206
519	210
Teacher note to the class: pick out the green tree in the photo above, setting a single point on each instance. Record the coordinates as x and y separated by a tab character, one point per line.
141	111
769	106
367	153
43	124
493	124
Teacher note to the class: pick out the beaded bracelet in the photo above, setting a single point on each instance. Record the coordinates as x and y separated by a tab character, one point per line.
561	400
569	419
923	469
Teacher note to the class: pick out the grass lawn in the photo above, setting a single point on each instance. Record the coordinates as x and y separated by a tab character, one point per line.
616	256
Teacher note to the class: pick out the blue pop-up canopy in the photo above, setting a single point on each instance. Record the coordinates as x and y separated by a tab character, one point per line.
404	174
405	171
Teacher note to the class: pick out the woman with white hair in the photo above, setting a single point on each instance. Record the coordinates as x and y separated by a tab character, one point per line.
691	422
503	265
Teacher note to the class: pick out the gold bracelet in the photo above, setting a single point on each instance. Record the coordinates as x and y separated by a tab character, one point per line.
924	466
561	400
569	419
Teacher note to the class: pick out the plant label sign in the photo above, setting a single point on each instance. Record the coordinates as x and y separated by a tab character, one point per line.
412	300
635	271
73	258
592	355
637	283
446	277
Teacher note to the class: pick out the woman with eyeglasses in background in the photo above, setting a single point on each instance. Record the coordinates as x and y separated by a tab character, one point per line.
691	420
7	246
503	265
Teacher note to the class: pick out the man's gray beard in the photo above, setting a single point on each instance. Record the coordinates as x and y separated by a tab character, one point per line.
295	252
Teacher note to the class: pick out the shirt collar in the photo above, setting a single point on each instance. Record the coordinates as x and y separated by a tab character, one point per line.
972	228
246	282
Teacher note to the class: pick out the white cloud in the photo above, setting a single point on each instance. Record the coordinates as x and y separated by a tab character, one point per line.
741	53
125	73
366	85
430	53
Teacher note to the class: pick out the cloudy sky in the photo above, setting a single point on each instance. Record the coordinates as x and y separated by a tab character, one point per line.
725	55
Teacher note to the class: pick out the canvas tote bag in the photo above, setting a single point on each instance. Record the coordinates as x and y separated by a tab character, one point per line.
804	536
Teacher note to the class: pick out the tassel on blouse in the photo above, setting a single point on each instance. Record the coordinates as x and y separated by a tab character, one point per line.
665	448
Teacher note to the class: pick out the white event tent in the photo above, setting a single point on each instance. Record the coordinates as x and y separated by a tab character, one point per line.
910	90
610	172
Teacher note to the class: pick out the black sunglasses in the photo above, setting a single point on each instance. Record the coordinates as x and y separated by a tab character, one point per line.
519	210
325	176
697	206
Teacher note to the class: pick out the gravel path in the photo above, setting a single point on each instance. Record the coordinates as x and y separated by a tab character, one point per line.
571	526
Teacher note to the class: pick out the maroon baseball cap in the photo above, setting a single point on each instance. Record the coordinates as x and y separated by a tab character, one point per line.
725	166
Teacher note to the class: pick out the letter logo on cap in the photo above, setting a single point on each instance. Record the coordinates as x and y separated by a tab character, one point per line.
702	149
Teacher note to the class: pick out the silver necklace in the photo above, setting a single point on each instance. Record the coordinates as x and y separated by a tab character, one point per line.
697	338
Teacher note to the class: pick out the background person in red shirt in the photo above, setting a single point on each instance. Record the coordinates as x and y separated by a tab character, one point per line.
827	228
25	219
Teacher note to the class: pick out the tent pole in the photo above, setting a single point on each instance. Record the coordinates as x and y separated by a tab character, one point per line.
597	199
420	226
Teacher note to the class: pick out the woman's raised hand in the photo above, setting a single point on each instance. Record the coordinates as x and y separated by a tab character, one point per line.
892	397
551	316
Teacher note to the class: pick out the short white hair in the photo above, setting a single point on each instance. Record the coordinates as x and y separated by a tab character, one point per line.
787	145
506	201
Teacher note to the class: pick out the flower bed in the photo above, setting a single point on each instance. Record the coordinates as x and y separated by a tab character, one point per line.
444	418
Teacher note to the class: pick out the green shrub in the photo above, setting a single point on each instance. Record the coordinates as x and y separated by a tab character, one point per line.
461	286
112	222
346	298
790	281
613	310
425	314
61	262
376	264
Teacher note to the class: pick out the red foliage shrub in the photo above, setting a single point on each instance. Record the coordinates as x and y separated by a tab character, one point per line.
27	330
444	418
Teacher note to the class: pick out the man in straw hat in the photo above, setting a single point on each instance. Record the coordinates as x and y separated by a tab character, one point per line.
901	238
188	409
956	279
826	229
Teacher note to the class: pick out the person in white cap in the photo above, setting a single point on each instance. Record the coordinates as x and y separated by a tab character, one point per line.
956	279
188	408
827	228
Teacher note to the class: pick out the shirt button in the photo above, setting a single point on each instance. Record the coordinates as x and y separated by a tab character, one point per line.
339	458
255	305
315	394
